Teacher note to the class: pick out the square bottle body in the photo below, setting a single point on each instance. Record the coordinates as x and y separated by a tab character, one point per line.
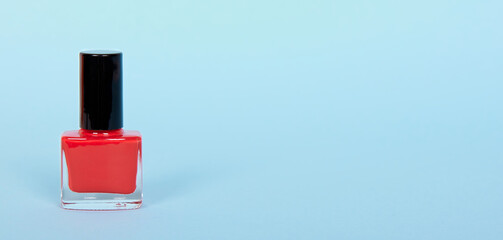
101	170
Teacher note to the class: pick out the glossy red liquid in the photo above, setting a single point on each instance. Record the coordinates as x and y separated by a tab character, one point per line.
102	161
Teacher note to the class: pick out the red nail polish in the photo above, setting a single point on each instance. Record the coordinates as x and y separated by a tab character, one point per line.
101	163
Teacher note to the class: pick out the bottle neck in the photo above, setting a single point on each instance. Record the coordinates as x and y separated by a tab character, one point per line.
101	133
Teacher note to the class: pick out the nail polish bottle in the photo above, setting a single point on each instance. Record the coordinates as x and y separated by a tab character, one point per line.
101	165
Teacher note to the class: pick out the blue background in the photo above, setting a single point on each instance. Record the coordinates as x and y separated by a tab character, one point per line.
266	119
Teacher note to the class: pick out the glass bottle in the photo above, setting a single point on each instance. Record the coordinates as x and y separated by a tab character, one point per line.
101	164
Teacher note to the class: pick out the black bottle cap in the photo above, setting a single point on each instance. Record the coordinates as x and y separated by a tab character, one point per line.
100	90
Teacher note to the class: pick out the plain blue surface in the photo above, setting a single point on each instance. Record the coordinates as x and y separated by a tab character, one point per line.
266	119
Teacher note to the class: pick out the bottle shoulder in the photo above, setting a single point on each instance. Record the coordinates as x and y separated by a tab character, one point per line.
132	133
70	133
79	135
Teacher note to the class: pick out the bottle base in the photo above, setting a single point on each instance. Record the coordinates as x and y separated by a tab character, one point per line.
101	205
